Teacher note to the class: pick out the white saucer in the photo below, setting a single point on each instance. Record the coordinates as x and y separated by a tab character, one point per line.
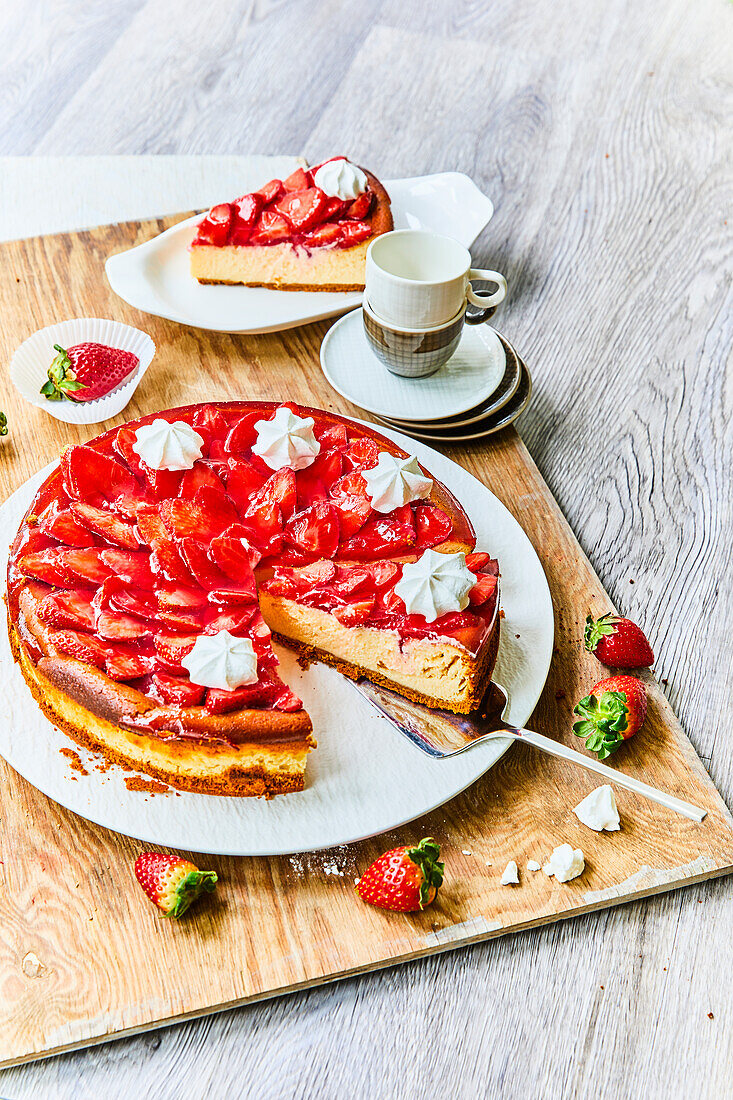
501	396
155	276
471	374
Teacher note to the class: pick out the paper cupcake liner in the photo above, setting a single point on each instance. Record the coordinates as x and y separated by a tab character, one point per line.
29	366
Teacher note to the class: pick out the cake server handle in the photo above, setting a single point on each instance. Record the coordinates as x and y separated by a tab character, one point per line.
556	748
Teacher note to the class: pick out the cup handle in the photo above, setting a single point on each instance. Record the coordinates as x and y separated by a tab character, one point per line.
485	301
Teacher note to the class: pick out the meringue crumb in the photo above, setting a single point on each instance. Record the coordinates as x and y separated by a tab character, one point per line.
565	863
467	852
533	865
489	863
511	874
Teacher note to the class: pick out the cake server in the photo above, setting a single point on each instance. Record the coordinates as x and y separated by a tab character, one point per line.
442	734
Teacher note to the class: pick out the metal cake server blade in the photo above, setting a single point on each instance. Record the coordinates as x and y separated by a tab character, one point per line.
442	734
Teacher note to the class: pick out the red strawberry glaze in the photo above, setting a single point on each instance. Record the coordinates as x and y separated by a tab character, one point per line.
292	211
364	596
108	543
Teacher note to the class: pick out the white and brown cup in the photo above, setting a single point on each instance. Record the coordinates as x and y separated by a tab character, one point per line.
412	353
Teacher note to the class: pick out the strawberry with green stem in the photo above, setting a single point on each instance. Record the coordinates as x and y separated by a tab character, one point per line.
87	371
613	712
403	879
171	882
617	642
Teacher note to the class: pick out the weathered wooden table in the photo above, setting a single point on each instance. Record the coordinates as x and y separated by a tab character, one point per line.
600	132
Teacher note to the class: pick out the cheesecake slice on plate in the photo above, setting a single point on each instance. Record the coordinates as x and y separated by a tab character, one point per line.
307	232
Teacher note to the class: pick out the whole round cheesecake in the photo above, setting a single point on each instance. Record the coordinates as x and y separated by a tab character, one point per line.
155	563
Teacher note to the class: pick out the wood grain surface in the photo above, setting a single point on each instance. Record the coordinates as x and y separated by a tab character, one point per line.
599	129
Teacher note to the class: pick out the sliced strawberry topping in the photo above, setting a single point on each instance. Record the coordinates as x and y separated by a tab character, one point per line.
383	573
214	229
87	565
178	597
204	571
318	573
199	475
483	590
353	581
352	614
271	228
281	489
243	434
360	207
68	608
263	526
287	701
60	523
126	664
237	620
477	562
433	525
172	648
132	566
322	236
247	210
243	480
46	565
361	454
178	691
349	497
271	191
119	627
315	531
297	181
392	534
88	475
303	208
331	436
203	518
82	646
234	553
142	604
353	233
105	524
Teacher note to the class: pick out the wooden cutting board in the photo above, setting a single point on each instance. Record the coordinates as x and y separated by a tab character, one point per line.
84	957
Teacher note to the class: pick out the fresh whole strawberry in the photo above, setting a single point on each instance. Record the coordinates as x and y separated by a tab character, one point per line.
172	883
617	642
403	879
613	712
87	371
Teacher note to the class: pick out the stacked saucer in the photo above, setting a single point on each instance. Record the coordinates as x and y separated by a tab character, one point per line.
483	387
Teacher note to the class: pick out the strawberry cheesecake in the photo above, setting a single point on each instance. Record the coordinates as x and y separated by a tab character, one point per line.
310	231
152	566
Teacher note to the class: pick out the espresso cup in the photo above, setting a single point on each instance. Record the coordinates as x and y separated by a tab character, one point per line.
412	353
419	279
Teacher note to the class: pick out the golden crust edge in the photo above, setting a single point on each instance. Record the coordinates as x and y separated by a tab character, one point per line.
234	779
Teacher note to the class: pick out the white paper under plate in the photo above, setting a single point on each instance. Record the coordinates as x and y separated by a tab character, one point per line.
155	276
29	366
364	778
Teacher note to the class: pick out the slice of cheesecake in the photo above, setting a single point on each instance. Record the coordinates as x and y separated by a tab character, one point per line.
351	617
310	231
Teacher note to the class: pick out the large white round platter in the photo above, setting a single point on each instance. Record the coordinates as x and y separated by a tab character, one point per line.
155	276
363	779
472	374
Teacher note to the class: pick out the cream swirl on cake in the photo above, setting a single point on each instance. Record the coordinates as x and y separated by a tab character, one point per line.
166	445
340	179
221	661
396	481
435	585
286	440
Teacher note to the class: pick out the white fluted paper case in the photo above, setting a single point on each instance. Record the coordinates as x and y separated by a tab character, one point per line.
29	366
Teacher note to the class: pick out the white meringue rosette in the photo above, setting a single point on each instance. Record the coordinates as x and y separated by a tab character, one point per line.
395	481
435	585
221	661
286	440
340	179
166	445
29	366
